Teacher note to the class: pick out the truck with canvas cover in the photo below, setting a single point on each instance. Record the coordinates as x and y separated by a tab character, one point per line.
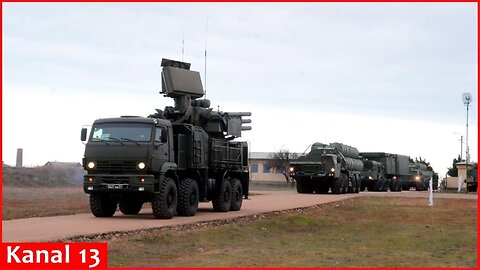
173	158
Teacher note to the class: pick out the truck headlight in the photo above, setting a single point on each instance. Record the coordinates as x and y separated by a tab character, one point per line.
91	165
291	169
370	177
417	177
332	170
141	165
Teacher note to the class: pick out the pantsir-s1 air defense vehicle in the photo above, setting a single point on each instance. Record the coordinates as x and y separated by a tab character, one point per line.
173	159
335	166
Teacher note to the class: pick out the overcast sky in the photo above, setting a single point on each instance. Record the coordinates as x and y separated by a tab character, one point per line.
378	76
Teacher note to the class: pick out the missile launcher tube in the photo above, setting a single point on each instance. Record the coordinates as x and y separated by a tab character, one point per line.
347	151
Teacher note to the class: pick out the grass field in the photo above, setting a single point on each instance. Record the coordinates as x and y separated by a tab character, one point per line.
364	232
21	202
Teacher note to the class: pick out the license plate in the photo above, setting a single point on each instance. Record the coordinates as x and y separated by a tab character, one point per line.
113	186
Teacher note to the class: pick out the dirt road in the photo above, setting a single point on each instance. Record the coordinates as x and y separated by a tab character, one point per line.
61	227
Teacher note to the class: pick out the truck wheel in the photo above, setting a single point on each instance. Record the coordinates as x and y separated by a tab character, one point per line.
303	188
130	206
188	198
379	185
164	203
336	186
237	195
399	186
351	188
345	184
357	185
102	205
419	186
223	199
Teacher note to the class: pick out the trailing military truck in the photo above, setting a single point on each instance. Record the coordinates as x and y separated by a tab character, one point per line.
419	176
472	179
394	168
335	166
373	176
173	159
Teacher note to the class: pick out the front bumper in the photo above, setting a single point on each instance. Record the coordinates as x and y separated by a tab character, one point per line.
118	183
313	177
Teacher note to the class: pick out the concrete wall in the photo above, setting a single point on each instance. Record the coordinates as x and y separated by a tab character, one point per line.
452	182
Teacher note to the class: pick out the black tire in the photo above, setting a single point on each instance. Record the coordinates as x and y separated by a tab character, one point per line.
304	187
362	187
102	205
164	204
337	186
419	186
345	184
130	206
237	195
379	186
351	188
399	186
223	199
357	185
188	198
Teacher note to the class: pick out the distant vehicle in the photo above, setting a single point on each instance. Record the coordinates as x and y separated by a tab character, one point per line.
173	159
335	166
472	179
419	176
393	173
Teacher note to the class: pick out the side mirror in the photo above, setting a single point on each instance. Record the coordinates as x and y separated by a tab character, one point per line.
164	136
83	135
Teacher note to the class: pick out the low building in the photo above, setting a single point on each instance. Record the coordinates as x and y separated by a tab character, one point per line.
452	181
259	169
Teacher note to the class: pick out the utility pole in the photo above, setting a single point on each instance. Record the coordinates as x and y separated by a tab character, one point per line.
461	148
467	99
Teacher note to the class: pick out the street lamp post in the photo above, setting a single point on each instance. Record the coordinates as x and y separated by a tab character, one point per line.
467	99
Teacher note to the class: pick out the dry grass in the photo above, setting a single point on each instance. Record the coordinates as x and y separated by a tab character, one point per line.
23	202
365	232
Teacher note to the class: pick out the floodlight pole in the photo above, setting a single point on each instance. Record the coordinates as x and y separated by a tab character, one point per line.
467	99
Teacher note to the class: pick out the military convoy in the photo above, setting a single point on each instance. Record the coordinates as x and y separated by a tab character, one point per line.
173	158
187	154
342	169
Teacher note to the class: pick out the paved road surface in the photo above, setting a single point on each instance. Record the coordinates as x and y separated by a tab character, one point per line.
60	227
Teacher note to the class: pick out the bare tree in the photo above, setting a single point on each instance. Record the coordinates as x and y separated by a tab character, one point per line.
281	161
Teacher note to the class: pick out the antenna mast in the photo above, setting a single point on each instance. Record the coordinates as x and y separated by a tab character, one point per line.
205	72
183	43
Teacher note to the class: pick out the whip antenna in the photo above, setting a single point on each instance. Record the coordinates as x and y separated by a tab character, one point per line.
205	71
183	43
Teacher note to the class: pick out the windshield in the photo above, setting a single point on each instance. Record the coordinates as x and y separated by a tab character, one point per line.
137	132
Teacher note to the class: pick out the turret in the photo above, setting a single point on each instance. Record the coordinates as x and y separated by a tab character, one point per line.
185	87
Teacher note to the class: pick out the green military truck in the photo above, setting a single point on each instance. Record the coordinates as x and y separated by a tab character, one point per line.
394	171
334	167
173	159
419	176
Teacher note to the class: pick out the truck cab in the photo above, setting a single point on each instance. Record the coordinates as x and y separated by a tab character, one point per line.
127	154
